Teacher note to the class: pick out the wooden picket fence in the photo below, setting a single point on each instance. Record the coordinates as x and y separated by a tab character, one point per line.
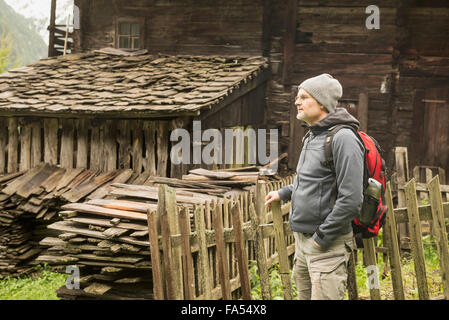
207	257
205	254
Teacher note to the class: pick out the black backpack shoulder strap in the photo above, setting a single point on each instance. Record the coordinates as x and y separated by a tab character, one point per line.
332	131
329	159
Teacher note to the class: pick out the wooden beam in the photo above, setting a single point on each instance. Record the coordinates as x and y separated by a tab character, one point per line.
92	114
289	41
266	27
51	28
362	111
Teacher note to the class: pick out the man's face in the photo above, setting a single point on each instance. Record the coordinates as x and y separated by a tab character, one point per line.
309	110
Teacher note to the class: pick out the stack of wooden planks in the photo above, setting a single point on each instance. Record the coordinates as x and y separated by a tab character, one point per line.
109	245
101	235
30	200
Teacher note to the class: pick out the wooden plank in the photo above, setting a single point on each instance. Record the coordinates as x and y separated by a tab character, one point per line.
51	126
137	146
362	111
101	192
416	239
261	258
67	143
3	145
124	141
158	289
13	145
167	212
68	177
436	203
223	271
108	223
12	186
281	246
369	253
289	40
50	184
188	275
82	142
149	132
352	278
109	162
89	186
402	175
96	146
203	275
393	247
114	232
123	205
32	185
25	146
86	208
163	140
240	251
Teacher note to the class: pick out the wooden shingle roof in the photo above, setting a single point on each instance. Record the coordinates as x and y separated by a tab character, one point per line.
109	81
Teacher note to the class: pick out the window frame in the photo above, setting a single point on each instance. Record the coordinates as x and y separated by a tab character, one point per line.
130	20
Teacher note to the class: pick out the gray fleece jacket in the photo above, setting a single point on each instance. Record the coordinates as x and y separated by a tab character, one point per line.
310	193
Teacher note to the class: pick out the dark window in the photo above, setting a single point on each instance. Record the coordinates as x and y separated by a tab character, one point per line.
129	35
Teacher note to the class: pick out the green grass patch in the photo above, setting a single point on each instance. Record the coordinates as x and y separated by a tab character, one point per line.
41	284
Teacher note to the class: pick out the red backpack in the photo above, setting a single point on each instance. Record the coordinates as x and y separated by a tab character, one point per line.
374	167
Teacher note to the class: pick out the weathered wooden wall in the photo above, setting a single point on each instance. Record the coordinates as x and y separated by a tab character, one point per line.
302	39
423	63
99	144
186	27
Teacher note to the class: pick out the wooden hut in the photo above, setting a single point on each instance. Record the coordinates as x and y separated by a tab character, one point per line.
110	109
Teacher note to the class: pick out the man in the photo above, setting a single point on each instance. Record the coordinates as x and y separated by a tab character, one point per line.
322	231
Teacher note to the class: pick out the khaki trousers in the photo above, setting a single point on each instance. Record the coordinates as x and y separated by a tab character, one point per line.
321	274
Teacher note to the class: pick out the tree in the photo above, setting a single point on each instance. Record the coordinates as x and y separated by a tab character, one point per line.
6	57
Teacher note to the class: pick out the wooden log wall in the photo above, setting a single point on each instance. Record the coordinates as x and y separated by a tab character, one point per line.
423	63
187	26
98	144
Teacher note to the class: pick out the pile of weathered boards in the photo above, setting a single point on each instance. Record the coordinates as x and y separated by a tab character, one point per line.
94	221
29	202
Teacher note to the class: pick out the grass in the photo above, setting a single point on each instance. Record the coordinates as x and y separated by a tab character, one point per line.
41	284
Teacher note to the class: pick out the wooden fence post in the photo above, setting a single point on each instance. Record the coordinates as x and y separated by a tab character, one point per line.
170	272
369	250
189	280
223	270
261	257
436	203
393	247
158	287
240	251
352	278
167	212
203	272
281	246
416	239
402	176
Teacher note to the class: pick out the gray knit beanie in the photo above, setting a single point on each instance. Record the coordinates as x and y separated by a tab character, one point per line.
325	89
